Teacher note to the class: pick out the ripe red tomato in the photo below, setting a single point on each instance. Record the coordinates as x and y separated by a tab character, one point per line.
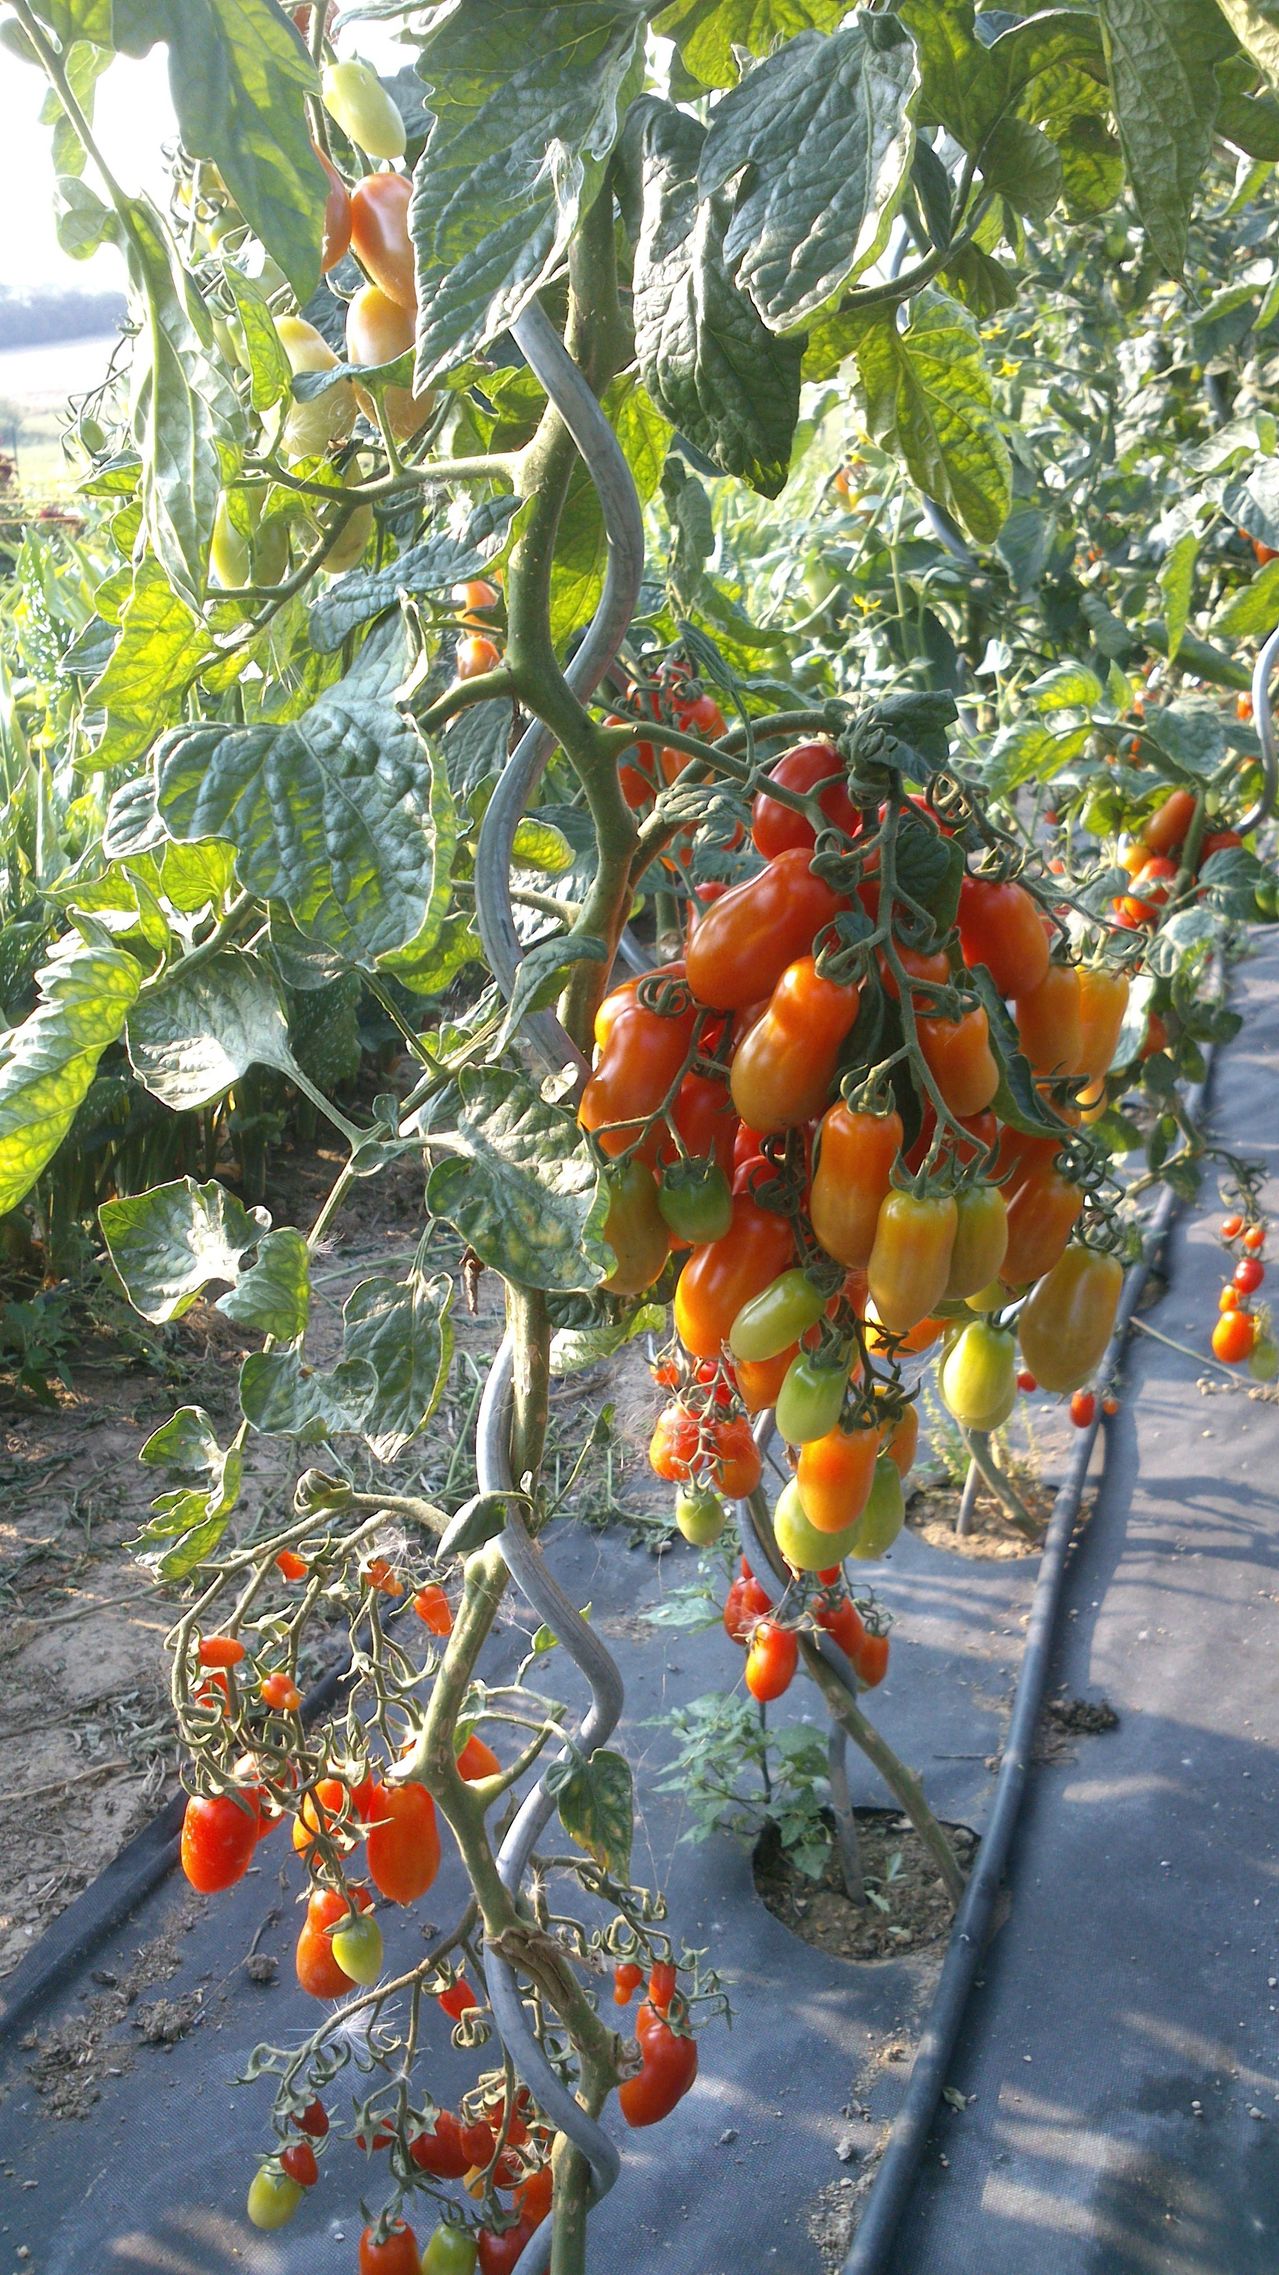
1167	827
958	1055
669	2069
314	2120
637	1069
745	1604
627	1978
458	1999
783	1069
380	234
403	1842
843	1623
1083	1408
1249	1274
218	1840
290	1566
280	1693
771	1660
398	2254
1043	1209
477	1760
748	937
1254	1239
870	1663
1049	1021
777	828
725	1274
1000	926
835	1475
499	2254
434	1609
447	2150
298	2160
219	1651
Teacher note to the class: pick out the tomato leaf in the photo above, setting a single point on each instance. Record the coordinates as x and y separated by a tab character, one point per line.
573	1348
401	1329
441	560
47	1064
340	814
274	1296
1160	55
595	1796
709	363
930	868
527	101
1017	1100
1255	24
929	399
192	1035
167	1244
238	72
1177	584
1026	751
522	1187
280	1396
821	135
1065	687
480	1519
158	654
540	978
708	33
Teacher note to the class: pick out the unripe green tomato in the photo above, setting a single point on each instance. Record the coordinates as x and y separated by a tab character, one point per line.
349	544
1263	1364
811	1399
819	581
355	98
990	1298
1267	899
978	1376
93	436
981	1242
357	1948
700	1516
273	2197
230	554
309	428
884	1514
803	1546
450	2251
696	1199
777	1317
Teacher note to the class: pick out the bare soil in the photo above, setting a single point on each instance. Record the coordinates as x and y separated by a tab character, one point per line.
993	1535
906	1908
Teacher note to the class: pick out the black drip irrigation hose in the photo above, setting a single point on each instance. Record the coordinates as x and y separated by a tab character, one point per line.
899	2165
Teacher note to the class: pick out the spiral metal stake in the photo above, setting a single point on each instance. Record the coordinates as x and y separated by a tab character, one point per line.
1263	719
567	389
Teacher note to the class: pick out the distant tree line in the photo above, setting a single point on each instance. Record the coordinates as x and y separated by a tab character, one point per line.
30	319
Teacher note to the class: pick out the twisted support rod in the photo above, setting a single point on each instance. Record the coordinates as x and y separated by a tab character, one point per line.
1263	719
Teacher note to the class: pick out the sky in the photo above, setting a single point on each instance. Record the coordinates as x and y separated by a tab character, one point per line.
134	119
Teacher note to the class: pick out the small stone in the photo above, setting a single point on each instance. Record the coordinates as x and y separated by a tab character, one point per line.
727	2137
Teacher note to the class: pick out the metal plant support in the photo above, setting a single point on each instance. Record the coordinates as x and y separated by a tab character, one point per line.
554	368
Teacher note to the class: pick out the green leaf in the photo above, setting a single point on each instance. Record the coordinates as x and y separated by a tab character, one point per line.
1065	687
1160	55
930	867
189	1521
1019	161
48	1063
710	364
1255	24
161	647
929	399
821	134
524	1190
539	978
193	1035
1191	734
708	33
1017	1101
339	814
238	73
480	1519
440	561
538	844
280	1396
270	375
1252	612
169	1243
573	1348
1177	584
274	1296
527	101
183	408
596	1800
401	1329
84	223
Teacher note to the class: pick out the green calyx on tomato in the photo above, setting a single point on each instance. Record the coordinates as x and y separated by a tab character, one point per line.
777	1317
695	1199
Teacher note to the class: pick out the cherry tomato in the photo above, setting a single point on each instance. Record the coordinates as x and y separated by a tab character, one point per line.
291	1566
1067	1319
434	1609
759	1381
637	1069
280	1693
499	2254
668	2072
1103	1000
870	1661
852	1172
309	428
1050	1022
378	330
746	939
900	1437
977	1378
843	1623
1218	841
398	2254
452	2250
1000	926
298	2160
274	2197
811	1398
736	1466
834	1477
784	1067
704	1118
1083	1409
380	238
981	1239
446	2151
219	1651
314	2119
910	1261
770	1321
930	966
777	828
635	1229
1042	1214
1234	1336
476	1760
1254	1239
958	1055
627	1978
1249	1274
475	656
744	1606
403	1845
534	2195
1230	1227
722	1276
356	100
884	1514
357	1948
1168	827
218	1840
771	1660
337	214
695	1200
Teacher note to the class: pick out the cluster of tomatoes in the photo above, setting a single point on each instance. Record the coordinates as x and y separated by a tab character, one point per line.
1153	860
1242	1335
799	1111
